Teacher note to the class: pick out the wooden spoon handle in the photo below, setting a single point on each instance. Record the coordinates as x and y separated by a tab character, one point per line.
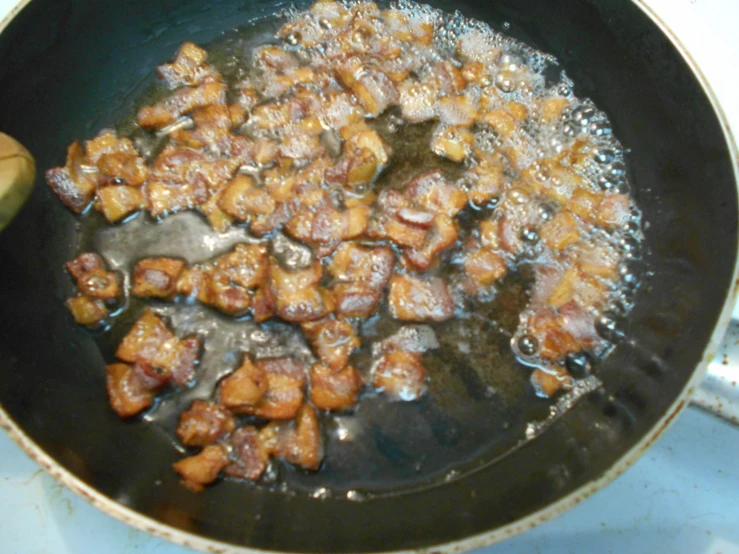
17	176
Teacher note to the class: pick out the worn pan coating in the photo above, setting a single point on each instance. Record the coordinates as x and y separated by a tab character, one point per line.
69	68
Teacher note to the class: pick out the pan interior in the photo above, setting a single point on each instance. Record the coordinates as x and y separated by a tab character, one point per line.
73	68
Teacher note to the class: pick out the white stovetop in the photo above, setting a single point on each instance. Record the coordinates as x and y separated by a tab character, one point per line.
682	497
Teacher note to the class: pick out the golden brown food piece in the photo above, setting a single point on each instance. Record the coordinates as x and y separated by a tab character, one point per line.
400	375
123	168
298	296
74	187
286	379
242	390
442	235
333	341
415	299
484	267
561	231
188	68
334	389
204	423
298	442
99	284
84	263
247	265
355	263
126	392
585	204
203	468
242	199
222	294
453	142
144	339
157	277
614	211
250	457
552	108
180	103
212	127
87	311
554	341
263	304
176	359
119	201
355	299
430	191
547	382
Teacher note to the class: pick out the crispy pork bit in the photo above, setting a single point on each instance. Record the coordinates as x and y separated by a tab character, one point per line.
298	442
144	340
333	341
286	379
247	265
188	68
334	389
298	296
157	277
415	299
87	311
176	359
400	375
127	393
205	423
84	263
433	193
241	391
99	284
180	103
74	187
250	457
547	382
119	202
484	267
203	468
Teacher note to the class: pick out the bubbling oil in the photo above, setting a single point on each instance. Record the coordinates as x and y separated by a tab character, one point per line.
480	403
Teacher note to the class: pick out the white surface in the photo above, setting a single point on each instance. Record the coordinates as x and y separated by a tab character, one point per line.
682	497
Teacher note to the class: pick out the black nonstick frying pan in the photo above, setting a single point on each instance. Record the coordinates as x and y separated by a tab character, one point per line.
69	68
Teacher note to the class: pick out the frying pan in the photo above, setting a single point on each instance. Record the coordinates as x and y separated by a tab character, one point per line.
70	68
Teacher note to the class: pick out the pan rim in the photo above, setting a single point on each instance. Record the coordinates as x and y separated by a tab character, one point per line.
161	530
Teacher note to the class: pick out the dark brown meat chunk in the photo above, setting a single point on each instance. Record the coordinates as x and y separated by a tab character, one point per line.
334	389
177	359
333	341
242	390
127	393
203	468
205	423
87	311
157	277
74	187
400	375
144	339
250	457
415	299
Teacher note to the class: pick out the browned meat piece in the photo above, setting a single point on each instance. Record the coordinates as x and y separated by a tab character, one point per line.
204	423
84	263
87	311
242	199
144	339
177	165
164	200
285	381
263	304
414	299
333	341
614	211
484	267
400	375
127	393
123	168
547	382
188	68
355	263
250	457
242	390
298	442
99	284
247	265
108	142
431	192
202	468
157	277
223	295
297	295
405	234
212	128
442	235
453	142
355	299
554	341
118	202
561	231
181	102
372	88
334	389
176	359
585	203
325	228
71	183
